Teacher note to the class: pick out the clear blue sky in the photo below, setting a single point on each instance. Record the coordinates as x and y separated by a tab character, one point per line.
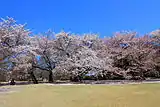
81	16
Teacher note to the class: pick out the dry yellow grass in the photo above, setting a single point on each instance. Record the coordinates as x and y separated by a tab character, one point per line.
143	95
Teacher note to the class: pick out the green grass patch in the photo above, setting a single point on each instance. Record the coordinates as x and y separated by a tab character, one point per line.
143	95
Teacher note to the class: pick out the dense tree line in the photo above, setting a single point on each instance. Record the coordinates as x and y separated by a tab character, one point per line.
66	56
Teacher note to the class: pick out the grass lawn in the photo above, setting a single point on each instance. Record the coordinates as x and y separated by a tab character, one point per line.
144	95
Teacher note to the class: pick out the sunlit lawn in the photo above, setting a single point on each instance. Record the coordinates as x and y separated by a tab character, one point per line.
144	95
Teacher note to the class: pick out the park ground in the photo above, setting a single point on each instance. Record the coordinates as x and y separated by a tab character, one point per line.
45	95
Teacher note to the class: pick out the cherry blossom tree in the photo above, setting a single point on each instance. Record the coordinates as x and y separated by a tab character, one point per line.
14	43
130	53
126	55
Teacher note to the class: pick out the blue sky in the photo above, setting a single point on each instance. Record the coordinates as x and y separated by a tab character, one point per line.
84	16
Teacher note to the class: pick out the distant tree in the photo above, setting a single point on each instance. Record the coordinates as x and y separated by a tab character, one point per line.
130	53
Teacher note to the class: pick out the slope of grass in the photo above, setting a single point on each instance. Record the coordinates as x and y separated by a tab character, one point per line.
144	95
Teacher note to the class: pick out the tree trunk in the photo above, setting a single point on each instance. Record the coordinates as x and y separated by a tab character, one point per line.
50	77
33	77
